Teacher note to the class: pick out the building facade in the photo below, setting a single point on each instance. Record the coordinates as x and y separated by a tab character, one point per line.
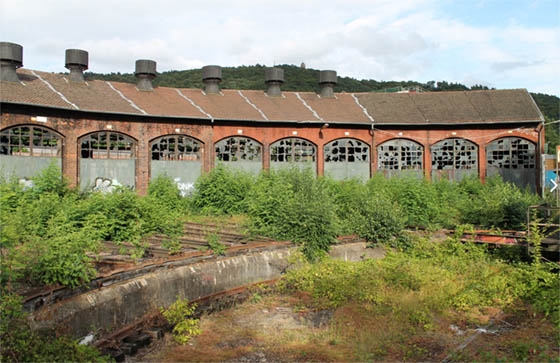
110	133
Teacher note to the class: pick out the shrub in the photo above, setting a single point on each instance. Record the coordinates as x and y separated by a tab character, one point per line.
294	205
164	191
377	219
21	344
179	314
222	191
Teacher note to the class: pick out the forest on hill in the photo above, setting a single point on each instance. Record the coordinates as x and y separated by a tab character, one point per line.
299	78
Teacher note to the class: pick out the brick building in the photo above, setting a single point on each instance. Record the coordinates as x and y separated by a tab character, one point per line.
109	132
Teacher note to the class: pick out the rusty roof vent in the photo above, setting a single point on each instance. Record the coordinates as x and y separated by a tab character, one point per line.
77	62
274	77
145	72
211	77
327	81
11	58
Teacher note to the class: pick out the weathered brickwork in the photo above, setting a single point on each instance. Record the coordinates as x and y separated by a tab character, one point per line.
144	130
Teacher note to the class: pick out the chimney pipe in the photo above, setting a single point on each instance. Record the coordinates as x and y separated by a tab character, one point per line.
211	77
327	81
77	62
274	77
11	58
145	72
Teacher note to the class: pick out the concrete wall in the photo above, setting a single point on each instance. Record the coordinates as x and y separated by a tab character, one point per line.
109	308
25	166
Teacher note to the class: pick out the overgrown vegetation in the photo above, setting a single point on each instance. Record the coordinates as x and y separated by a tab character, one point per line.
180	316
21	344
50	233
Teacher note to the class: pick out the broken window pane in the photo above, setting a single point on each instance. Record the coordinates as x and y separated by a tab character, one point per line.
30	141
176	147
400	154
107	145
346	150
511	153
292	149
453	154
238	148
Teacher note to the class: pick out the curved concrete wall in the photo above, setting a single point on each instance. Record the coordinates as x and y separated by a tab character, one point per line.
109	308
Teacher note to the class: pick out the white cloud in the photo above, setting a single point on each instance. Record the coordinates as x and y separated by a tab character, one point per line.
382	39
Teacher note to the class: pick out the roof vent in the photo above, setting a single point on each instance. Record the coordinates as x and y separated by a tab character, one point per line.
274	77
11	58
77	62
145	72
211	77
327	81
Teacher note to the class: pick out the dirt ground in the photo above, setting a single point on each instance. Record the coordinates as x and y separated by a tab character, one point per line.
279	328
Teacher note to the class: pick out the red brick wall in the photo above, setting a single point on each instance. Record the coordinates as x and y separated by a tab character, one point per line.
145	132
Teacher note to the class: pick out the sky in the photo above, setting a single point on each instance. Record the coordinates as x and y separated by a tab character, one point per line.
497	43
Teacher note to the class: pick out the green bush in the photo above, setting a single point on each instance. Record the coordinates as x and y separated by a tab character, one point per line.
164	191
21	344
222	191
179	314
496	204
377	219
294	205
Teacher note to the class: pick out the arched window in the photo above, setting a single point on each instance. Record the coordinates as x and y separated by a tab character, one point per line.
514	159
238	148
400	154
30	141
26	150
346	159
107	160
176	147
346	151
454	159
179	157
511	153
107	145
291	150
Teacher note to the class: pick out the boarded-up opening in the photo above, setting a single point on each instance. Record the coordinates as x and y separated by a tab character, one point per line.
514	159
26	150
107	160
347	159
400	157
454	159
240	153
293	152
178	157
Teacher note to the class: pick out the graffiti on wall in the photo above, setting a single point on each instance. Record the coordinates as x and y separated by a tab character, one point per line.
105	185
186	189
